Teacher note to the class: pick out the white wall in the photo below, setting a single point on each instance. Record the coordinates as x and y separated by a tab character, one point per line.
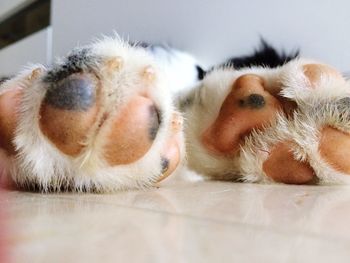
212	30
33	49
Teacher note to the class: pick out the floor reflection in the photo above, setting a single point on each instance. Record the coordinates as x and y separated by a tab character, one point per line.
182	222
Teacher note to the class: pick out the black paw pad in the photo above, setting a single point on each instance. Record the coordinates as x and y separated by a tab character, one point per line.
154	122
165	164
72	93
254	101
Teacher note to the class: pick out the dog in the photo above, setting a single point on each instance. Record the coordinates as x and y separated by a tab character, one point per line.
114	115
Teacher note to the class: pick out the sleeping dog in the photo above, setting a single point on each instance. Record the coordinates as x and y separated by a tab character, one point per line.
113	116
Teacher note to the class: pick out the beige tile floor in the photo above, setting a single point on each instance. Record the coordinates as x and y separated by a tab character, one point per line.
182	222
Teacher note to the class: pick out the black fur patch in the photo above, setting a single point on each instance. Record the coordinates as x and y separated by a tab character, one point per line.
266	55
74	63
3	79
200	73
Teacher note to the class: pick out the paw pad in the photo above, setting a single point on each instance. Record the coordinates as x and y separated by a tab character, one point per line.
131	132
9	103
283	167
315	72
248	106
68	111
334	147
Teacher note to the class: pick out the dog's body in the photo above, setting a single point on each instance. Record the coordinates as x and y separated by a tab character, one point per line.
107	118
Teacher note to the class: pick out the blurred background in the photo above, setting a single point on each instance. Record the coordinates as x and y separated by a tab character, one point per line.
38	31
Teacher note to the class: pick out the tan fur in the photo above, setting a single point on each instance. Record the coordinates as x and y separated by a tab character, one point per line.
149	74
114	64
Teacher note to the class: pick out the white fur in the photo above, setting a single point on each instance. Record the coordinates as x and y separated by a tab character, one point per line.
179	67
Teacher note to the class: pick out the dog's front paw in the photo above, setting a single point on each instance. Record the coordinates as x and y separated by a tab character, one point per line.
289	124
102	119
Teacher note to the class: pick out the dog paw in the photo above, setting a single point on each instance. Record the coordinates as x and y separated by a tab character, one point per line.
288	125
311	147
101	119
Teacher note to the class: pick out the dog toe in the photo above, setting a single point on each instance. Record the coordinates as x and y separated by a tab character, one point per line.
316	72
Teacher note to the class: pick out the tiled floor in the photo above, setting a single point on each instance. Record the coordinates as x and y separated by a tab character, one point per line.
183	222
